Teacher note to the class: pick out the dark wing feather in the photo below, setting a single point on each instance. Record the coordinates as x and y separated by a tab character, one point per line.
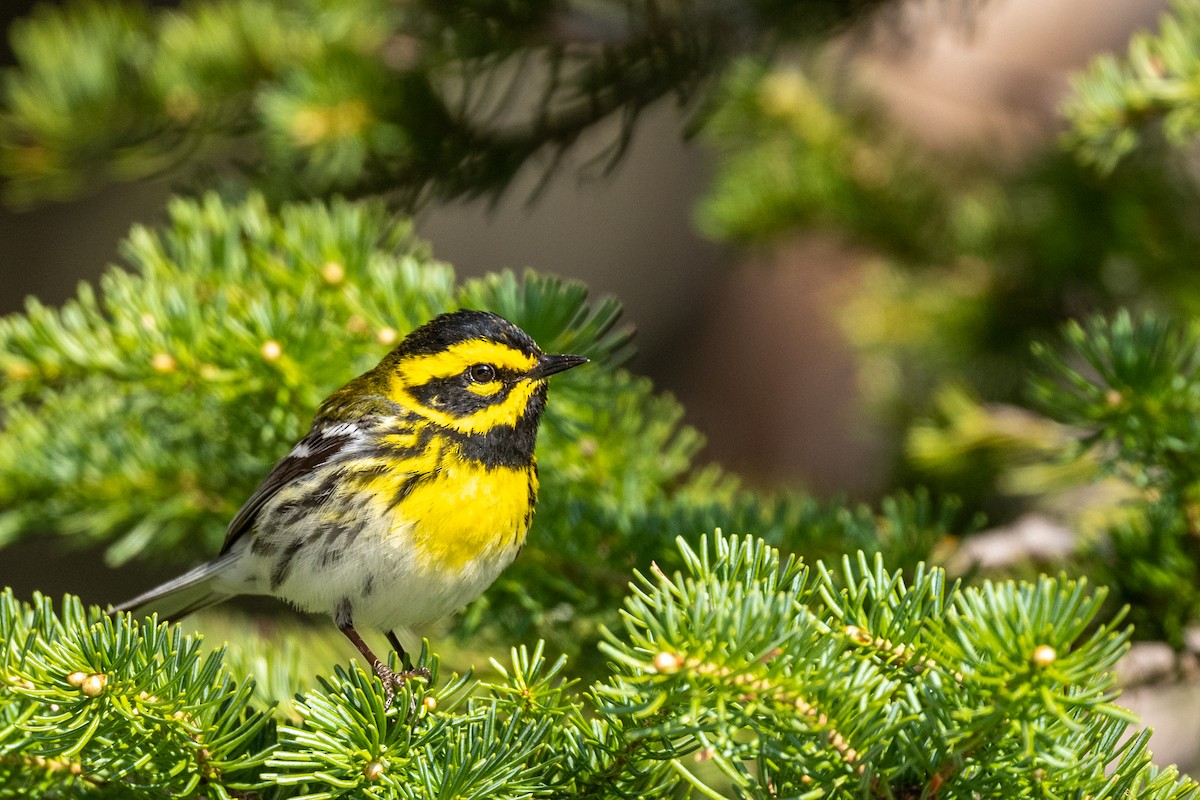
317	448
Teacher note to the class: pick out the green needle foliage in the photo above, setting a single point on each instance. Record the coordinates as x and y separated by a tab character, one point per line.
969	262
90	699
794	157
1121	104
1131	386
741	674
423	99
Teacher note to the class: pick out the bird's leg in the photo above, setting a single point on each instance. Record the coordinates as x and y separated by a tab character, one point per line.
399	648
390	678
420	672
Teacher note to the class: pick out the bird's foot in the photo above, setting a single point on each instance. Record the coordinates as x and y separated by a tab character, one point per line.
395	679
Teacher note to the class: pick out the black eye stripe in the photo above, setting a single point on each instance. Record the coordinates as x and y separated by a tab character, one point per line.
508	375
451	396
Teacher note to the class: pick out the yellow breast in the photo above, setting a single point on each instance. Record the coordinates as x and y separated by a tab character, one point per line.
468	512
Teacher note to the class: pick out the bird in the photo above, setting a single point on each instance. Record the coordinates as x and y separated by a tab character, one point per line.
412	491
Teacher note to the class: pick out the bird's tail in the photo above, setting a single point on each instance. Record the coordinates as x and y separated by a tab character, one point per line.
178	597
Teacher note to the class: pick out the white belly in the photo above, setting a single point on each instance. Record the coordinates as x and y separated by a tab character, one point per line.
377	571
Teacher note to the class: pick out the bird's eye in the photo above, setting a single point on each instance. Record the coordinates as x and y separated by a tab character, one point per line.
482	373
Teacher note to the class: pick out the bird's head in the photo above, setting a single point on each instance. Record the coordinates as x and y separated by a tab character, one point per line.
471	371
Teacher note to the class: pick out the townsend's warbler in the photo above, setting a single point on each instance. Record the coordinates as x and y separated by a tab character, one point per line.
411	492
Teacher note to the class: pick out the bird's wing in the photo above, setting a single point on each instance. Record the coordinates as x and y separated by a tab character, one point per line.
322	445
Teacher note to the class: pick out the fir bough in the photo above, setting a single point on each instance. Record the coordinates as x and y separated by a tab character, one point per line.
741	674
361	96
1121	104
1130	387
90	699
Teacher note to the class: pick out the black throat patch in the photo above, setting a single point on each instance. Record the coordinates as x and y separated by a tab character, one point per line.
505	445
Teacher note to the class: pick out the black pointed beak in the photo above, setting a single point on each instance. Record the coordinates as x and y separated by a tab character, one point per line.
549	365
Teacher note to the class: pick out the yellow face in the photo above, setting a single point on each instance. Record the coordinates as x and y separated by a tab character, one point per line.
472	386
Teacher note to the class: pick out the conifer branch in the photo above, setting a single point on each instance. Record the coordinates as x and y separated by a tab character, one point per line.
1130	386
740	660
362	97
1121	104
